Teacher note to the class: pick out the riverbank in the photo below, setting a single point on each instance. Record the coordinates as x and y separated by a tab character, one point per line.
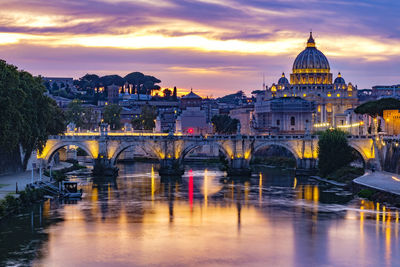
379	186
11	182
14	199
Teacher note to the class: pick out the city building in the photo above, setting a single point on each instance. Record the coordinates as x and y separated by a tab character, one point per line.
245	115
127	114
62	102
192	119
312	80
355	124
392	121
191	100
284	115
379	91
113	94
365	95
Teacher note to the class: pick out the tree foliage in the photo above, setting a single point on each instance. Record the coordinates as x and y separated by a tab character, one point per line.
223	124
376	108
146	119
233	98
27	116
75	112
112	116
334	151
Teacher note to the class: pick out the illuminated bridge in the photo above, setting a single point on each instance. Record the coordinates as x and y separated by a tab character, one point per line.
171	149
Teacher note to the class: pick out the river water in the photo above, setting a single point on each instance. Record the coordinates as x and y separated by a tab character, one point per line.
139	219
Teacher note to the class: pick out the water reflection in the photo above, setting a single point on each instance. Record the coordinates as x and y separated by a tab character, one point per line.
272	218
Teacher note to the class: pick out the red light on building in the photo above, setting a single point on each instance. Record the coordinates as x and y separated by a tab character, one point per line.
190	130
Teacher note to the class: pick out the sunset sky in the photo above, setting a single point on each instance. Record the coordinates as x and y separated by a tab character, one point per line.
215	46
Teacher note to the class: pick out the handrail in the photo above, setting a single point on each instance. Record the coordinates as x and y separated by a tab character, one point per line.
97	135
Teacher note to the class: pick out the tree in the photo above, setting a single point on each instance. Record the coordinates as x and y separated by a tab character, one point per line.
167	93
223	124
135	78
89	119
146	119
112	116
112	79
47	85
27	116
89	81
55	87
145	83
175	94
334	151
376	108
232	98
75	113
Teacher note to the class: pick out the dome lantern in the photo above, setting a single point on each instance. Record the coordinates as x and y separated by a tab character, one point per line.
311	42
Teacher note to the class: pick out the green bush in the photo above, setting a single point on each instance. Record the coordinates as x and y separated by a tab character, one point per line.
11	203
2	208
334	151
366	193
346	174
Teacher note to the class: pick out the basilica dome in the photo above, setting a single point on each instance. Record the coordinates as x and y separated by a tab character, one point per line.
311	59
283	80
339	79
311	67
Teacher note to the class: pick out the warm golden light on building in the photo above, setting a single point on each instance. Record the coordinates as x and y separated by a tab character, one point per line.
392	121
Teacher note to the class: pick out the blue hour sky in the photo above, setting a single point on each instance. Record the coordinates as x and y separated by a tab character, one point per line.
215	46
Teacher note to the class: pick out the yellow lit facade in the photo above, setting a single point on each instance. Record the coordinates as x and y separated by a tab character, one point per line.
392	121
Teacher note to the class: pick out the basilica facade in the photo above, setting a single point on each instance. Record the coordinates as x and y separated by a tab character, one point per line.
311	79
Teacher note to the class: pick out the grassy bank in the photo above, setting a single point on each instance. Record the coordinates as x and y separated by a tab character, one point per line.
345	174
13	205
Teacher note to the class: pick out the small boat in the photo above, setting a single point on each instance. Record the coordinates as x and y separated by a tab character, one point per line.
70	190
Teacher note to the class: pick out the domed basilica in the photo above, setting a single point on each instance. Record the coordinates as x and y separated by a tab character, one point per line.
311	79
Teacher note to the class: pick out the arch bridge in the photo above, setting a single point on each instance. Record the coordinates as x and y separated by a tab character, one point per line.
171	149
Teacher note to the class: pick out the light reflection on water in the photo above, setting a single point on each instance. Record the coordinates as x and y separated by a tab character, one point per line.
272	219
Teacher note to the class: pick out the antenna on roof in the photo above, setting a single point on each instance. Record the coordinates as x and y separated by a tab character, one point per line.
263	81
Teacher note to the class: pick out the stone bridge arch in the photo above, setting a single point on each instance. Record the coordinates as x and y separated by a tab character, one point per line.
285	145
148	150
52	147
361	151
193	145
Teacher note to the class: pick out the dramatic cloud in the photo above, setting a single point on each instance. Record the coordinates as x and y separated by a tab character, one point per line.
214	46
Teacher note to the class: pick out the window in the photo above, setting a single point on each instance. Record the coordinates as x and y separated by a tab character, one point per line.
292	121
278	122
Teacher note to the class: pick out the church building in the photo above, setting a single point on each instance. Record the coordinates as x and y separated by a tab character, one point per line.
312	80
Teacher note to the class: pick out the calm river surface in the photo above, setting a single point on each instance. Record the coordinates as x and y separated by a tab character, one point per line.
138	219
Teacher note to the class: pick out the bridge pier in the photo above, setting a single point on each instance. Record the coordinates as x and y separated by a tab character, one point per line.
307	163
239	167
306	166
104	167
170	167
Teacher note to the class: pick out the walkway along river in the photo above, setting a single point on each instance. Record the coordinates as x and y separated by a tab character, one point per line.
138	219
